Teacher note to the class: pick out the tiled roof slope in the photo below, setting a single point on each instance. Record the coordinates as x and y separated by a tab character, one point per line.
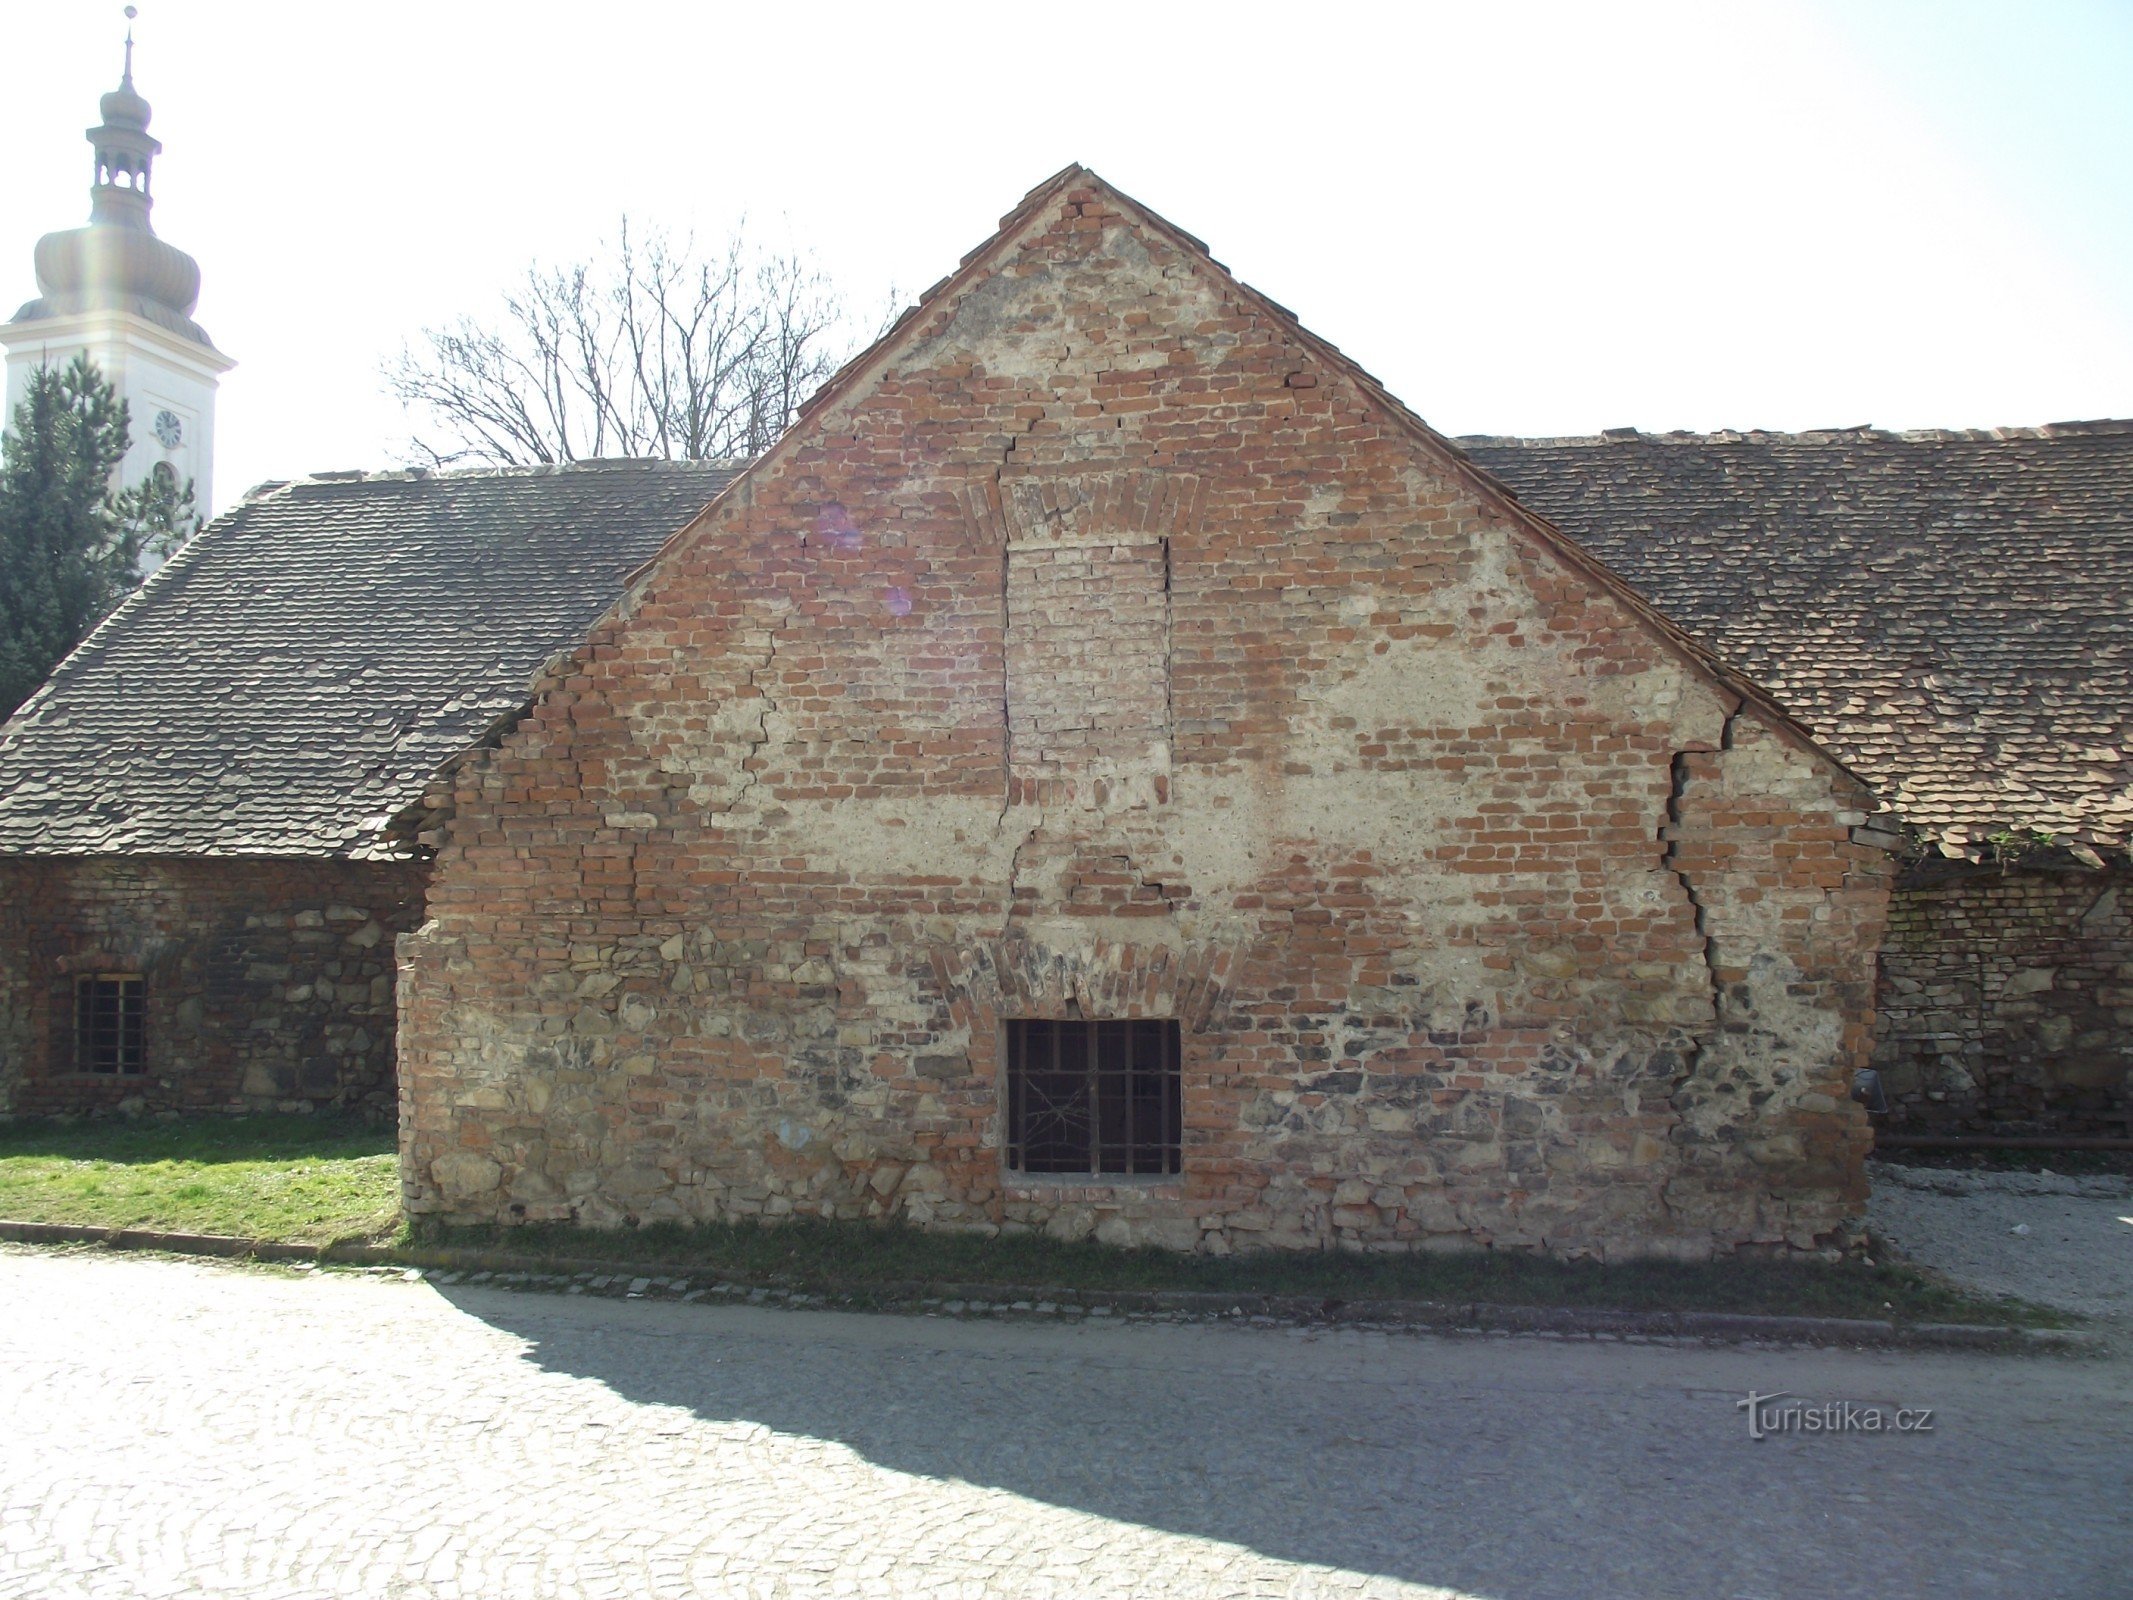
295	674
1951	614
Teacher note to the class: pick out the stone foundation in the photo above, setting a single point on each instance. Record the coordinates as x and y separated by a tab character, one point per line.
268	983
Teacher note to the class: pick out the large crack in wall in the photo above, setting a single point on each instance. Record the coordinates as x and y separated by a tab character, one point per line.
758	674
750	777
1671	832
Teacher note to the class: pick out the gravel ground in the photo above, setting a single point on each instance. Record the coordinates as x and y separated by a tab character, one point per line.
173	1429
2060	1241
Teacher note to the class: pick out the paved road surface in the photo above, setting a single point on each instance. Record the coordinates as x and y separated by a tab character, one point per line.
175	1428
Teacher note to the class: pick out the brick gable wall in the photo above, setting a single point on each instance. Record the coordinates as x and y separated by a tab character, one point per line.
1108	652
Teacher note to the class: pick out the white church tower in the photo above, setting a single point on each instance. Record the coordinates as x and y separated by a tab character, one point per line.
116	291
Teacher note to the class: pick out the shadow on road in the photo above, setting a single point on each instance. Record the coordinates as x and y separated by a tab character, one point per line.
1514	1471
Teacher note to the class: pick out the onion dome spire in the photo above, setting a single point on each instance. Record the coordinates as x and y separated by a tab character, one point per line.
117	262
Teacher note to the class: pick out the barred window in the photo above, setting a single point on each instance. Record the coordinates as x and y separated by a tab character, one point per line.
1093	1097
110	1015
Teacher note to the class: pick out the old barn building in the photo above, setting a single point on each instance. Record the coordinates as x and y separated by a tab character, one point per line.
1110	768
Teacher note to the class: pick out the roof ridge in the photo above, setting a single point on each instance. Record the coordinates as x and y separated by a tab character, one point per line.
541	469
2089	428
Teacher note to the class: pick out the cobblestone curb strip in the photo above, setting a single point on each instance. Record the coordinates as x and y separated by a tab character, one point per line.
448	1268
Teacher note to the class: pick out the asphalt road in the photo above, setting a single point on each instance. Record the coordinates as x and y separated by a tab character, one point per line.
177	1428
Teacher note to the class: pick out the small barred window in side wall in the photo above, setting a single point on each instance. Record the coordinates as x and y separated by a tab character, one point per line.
1093	1097
110	1024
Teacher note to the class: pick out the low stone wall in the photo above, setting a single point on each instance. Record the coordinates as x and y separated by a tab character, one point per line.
2006	1001
267	983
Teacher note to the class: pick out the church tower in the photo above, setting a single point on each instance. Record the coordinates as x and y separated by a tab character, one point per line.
116	291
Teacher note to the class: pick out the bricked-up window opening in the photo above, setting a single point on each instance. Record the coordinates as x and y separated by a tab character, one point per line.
1093	1097
110	1016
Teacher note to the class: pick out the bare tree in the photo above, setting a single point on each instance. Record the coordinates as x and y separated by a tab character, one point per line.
649	349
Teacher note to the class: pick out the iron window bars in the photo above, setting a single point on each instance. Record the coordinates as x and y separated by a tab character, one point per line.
1093	1097
110	1024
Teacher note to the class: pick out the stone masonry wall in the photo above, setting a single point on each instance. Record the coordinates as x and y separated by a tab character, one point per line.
1106	651
268	983
2007	1001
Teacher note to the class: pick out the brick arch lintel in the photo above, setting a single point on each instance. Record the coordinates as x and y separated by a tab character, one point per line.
1069	503
1099	979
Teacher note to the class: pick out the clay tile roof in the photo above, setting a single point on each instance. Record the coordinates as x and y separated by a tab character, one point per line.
1950	613
295	674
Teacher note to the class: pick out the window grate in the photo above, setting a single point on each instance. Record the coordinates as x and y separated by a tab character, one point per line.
1093	1097
110	1024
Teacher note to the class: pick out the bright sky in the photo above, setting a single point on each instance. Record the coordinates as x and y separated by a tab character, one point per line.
1526	218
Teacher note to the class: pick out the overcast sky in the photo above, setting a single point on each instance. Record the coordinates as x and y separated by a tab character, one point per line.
1525	218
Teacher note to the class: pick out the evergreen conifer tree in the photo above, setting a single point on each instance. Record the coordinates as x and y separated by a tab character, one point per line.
70	539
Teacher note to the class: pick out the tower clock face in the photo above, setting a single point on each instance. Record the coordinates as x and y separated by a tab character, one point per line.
168	429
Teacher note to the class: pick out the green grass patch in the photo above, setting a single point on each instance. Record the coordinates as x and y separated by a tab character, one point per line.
850	1257
322	1180
308	1180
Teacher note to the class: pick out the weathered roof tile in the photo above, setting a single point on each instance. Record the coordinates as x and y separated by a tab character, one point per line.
296	673
1950	612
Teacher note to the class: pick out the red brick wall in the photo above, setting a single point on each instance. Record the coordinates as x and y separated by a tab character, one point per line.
1107	652
267	983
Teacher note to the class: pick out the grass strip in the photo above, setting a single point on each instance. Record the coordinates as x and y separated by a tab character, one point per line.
325	1180
297	1179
